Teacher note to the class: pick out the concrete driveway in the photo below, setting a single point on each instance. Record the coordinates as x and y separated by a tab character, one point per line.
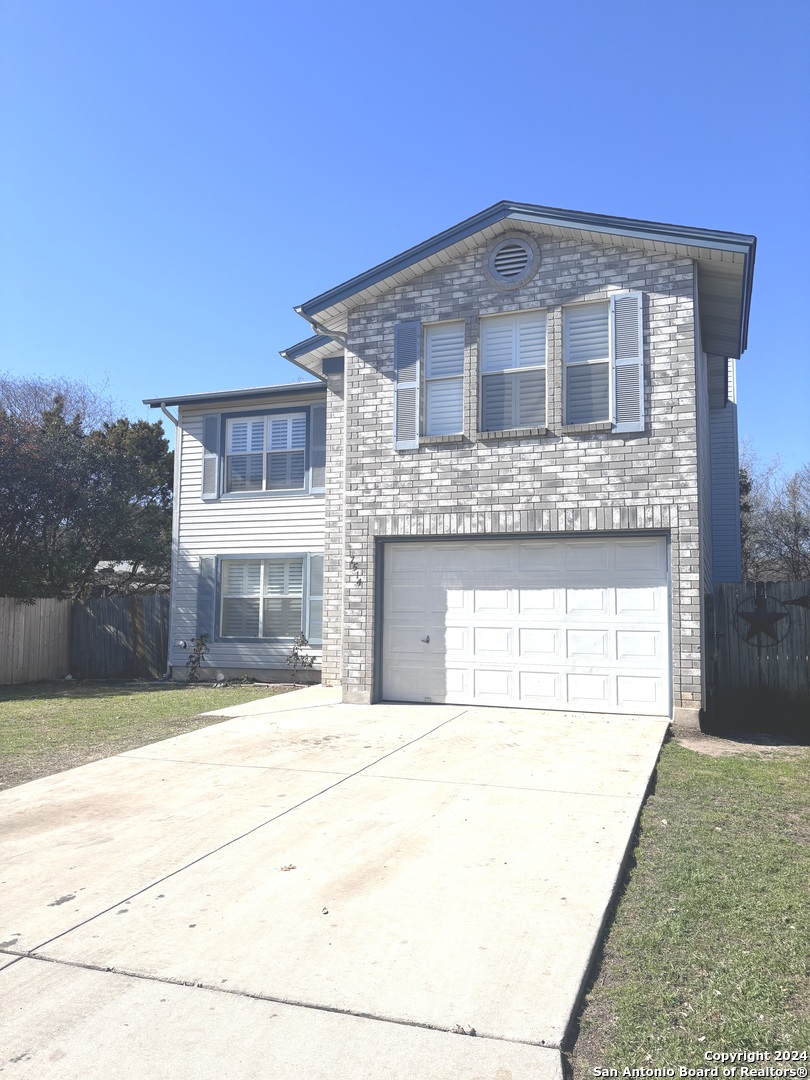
316	890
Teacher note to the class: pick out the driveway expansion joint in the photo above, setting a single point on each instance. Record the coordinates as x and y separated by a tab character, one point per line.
456	1029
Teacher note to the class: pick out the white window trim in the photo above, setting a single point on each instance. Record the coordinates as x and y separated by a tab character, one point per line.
267	418
306	597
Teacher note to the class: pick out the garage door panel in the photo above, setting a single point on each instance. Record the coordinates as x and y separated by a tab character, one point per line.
492	643
638	645
456	599
492	557
588	689
636	691
586	601
635	556
589	645
539	642
456	641
586	556
539	559
492	684
540	689
408	597
403	557
491	600
639	601
538	601
557	624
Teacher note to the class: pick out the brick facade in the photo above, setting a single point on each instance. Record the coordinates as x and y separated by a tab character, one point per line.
535	482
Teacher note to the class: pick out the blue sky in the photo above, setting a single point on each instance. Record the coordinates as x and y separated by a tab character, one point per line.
176	175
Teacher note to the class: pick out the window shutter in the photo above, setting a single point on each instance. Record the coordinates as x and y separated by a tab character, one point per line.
315	619
317	448
628	361
206	596
406	384
210	465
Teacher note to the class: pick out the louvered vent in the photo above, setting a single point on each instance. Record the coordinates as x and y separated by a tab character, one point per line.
511	260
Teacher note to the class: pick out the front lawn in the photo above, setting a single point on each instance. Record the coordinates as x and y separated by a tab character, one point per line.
709	948
46	727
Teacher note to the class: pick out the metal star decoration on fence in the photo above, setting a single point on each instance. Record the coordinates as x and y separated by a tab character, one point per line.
762	620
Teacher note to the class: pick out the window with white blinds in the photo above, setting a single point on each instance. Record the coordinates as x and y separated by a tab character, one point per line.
513	371
586	344
266	453
444	379
272	598
604	362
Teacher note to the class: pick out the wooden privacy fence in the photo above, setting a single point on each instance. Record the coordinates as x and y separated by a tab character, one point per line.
34	641
119	637
759	656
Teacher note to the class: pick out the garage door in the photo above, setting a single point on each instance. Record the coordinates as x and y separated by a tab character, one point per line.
544	624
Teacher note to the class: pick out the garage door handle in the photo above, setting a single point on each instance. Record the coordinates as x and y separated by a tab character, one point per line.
426	639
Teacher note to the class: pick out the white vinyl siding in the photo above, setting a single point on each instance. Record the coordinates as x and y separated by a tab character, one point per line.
513	371
251	526
444	379
266	453
586	334
262	598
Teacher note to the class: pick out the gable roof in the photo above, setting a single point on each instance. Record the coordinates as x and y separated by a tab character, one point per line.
725	259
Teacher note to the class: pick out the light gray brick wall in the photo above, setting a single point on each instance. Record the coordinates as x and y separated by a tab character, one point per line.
561	481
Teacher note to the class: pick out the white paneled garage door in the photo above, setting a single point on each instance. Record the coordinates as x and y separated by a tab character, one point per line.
545	624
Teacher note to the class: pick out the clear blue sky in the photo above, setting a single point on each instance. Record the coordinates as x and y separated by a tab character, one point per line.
177	175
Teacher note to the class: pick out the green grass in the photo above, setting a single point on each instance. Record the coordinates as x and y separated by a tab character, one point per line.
709	948
47	727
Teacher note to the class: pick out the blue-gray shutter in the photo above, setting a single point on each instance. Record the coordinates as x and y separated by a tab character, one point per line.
407	340
627	340
317	448
210	463
315	600
206	596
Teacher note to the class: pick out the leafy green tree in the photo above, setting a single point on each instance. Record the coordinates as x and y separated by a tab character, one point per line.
71	499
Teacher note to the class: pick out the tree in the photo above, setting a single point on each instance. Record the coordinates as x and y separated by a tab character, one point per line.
71	499
775	521
28	397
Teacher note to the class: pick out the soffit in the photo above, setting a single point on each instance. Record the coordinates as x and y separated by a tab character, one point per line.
725	259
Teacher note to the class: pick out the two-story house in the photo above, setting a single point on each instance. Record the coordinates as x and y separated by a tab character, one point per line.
522	487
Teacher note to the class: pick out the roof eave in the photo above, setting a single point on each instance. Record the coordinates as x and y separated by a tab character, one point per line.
248	393
640	230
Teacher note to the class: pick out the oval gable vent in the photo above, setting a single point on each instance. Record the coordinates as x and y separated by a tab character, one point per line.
511	260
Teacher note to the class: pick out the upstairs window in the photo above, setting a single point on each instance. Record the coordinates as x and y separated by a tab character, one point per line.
444	379
586	335
266	453
604	362
513	371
